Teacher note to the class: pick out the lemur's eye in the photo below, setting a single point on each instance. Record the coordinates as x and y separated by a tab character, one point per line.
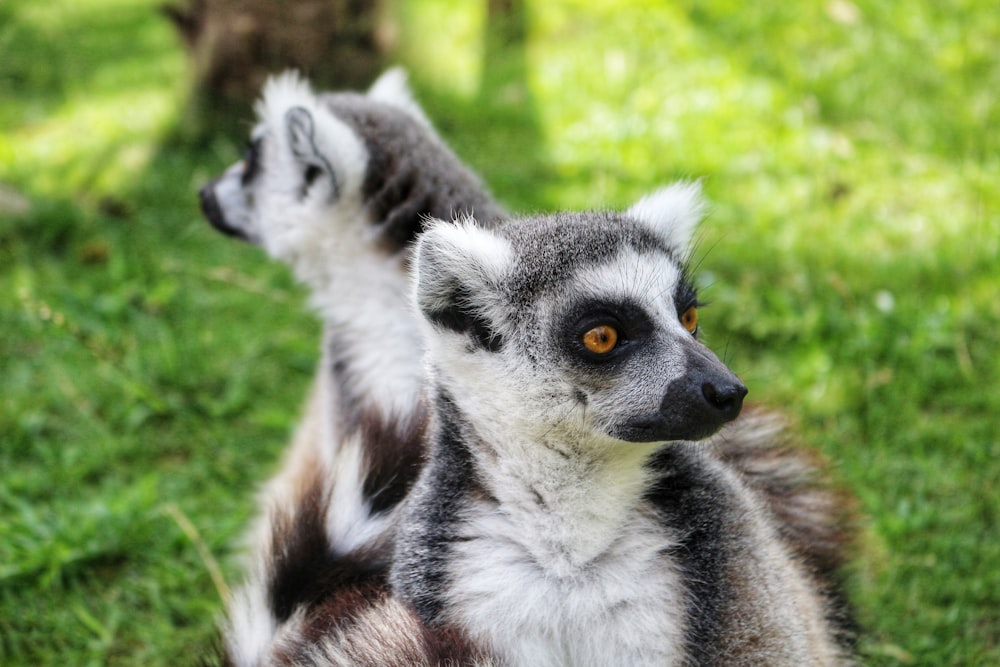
251	162
601	339
690	319
312	173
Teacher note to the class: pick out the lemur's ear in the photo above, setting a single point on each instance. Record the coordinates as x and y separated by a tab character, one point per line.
282	92
301	133
392	88
672	213
459	267
304	145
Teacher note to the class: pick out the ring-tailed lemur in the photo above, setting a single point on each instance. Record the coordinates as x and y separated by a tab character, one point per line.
565	515
338	186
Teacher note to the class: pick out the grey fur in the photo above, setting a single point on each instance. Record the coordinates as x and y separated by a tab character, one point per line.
412	175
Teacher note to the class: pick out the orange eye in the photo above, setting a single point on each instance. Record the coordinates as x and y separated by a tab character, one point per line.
601	339
690	319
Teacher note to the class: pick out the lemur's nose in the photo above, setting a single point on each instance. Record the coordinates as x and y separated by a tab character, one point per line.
725	397
210	204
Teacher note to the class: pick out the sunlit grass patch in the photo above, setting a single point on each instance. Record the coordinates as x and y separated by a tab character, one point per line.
95	145
97	104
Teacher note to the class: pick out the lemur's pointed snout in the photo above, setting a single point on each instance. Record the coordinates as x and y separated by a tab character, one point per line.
695	405
715	394
725	397
215	213
210	207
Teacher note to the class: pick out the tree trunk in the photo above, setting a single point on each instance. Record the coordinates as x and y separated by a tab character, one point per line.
235	44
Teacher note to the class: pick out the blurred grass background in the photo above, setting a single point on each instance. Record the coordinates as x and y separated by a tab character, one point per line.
150	370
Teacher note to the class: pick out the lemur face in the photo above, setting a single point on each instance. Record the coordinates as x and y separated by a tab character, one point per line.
302	168
582	323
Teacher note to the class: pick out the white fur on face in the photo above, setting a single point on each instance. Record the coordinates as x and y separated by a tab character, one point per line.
531	370
329	243
296	223
648	281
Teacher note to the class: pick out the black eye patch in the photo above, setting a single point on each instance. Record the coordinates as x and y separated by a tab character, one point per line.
631	325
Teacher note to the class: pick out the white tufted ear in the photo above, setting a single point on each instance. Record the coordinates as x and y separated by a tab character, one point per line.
283	92
392	88
458	268
672	213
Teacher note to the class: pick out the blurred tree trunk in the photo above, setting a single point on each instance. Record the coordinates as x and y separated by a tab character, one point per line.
235	44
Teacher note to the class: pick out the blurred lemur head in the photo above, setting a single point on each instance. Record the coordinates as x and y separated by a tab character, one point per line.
322	167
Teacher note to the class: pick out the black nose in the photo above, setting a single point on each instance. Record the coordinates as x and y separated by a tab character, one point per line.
209	204
725	397
212	211
699	403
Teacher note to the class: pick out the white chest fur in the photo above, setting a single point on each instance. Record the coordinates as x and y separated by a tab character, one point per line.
524	596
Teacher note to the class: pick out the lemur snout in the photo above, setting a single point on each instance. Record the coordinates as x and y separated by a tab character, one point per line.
210	206
698	405
213	211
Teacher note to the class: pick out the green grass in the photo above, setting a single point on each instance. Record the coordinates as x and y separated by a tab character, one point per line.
150	370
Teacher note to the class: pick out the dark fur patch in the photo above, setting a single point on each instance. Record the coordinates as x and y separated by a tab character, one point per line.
465	320
811	517
332	593
251	162
420	564
399	641
303	569
336	611
393	445
685	294
412	175
394	453
694	503
302	137
814	518
446	645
